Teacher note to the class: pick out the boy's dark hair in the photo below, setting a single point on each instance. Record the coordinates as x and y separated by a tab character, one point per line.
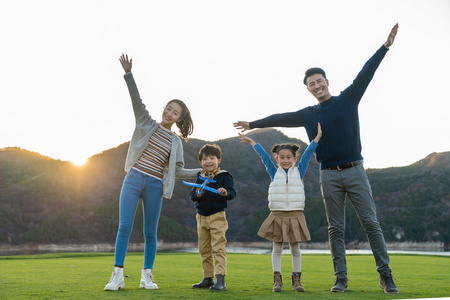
291	147
207	150
312	71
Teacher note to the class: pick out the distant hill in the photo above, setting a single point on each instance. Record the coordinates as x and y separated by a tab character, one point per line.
44	200
414	201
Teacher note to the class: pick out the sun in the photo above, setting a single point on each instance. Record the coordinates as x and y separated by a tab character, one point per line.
79	162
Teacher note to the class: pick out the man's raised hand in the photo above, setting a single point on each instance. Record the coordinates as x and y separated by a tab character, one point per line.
242	125
391	37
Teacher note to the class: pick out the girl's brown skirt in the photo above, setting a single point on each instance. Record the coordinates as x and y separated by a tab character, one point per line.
285	226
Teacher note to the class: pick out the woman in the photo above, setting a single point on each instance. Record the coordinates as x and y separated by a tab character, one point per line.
154	159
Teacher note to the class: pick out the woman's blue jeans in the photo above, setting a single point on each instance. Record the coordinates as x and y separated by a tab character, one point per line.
137	185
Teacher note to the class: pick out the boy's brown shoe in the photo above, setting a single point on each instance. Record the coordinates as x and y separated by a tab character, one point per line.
206	283
219	285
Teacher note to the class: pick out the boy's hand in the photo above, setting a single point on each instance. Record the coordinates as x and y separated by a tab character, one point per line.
199	196
126	64
319	133
245	139
222	191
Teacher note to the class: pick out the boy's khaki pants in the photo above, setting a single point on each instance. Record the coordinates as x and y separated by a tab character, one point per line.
211	243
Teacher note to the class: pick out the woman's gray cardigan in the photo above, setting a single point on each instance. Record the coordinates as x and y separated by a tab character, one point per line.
145	127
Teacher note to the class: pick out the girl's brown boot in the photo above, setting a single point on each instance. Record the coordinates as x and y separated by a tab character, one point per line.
277	282
296	284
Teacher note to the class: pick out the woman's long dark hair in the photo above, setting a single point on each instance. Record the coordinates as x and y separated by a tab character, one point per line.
185	123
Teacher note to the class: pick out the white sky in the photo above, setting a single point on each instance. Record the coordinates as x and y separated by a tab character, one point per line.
63	95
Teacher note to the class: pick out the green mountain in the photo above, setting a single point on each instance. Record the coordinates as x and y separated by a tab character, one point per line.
44	200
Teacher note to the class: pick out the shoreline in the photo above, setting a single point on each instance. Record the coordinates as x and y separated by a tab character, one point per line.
238	247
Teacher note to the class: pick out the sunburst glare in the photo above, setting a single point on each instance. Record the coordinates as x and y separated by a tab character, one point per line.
79	161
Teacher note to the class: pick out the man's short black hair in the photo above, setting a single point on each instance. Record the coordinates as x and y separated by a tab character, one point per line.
312	71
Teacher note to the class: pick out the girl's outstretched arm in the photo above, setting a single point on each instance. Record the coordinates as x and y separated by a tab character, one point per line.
246	139
304	161
270	167
319	133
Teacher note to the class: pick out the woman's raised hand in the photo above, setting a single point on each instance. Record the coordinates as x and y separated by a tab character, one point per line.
126	64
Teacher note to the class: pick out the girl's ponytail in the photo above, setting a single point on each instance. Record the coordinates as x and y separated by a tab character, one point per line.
292	147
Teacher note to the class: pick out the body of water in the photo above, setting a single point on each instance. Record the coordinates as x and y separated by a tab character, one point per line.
233	247
253	250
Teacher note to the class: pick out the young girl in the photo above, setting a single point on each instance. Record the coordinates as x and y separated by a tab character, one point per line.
154	159
286	222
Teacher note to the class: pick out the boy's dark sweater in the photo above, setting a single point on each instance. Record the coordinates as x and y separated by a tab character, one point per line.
338	116
210	203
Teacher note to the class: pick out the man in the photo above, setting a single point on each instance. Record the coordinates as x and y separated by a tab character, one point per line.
341	166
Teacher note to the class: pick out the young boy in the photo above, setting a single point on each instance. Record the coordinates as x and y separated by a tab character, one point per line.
211	219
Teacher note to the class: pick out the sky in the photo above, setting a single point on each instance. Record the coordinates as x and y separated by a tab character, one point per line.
63	94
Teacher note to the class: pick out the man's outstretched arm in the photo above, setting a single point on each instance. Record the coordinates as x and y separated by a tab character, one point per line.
290	119
362	80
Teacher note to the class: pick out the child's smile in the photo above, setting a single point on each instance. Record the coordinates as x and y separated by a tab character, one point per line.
210	163
285	158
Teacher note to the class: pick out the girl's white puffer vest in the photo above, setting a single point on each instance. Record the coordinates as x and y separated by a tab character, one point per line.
286	191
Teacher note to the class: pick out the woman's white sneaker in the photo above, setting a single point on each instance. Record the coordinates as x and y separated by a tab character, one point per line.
116	282
147	280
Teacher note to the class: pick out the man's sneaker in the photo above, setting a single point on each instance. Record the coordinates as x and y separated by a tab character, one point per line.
116	282
147	280
340	285
387	284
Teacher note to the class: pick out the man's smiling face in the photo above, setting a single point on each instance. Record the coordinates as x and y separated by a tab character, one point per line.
318	86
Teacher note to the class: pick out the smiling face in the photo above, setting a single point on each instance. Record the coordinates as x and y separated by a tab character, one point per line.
210	163
171	114
285	158
318	86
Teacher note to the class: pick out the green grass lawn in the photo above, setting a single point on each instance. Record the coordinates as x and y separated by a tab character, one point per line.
83	276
